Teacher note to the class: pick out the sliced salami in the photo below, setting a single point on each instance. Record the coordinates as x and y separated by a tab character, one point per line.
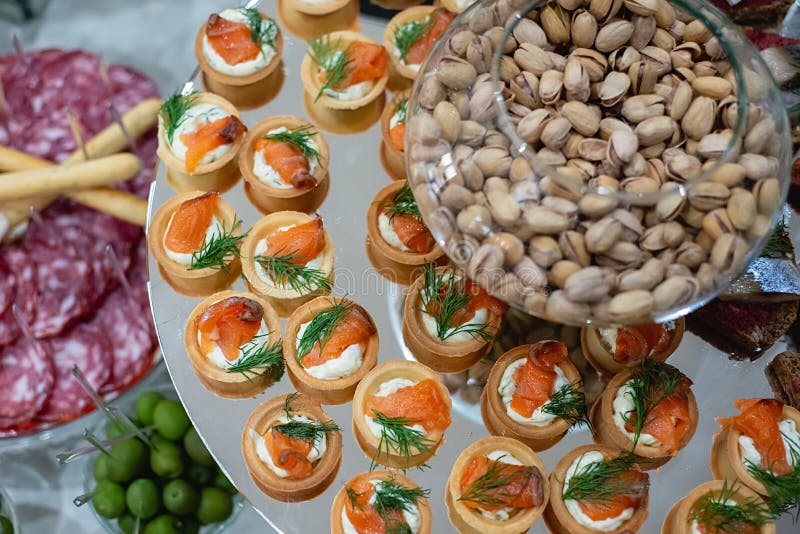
88	347
26	380
25	294
8	286
65	291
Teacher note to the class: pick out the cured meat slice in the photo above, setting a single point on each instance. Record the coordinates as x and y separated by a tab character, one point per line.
26	380
8	286
88	347
65	291
25	294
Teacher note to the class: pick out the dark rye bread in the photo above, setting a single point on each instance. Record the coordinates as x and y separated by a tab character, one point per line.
742	328
768	13
783	375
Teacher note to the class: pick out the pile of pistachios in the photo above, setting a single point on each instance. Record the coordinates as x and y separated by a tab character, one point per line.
620	106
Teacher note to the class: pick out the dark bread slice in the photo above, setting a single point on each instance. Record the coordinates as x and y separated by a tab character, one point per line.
767	13
783	375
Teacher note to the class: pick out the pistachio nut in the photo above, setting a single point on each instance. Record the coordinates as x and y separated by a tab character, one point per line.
666	39
665	14
613	35
583	29
511	245
594	205
545	221
449	120
717	222
631	305
637	166
635	279
554	158
622	58
493	161
760	136
581	118
632	228
482	105
526	193
656	170
544	250
573	247
561	205
681	166
604	10
576	81
520	170
643	76
699	118
609	125
525	87
455	73
653	238
593	149
704	240
641	190
707	276
767	195
460	100
555	133
644	28
690	255
614	89
674	292
458	42
487	262
713	146
528	31
531	126
644	8
652	151
712	86
602	235
587	285
728	252
555	23
622	255
706	195
570	149
642	107
563	310
533	59
678	270
561	271
471	133
654	130
504	209
529	273
474	220
622	146
658	57
551	85
714	49
697	32
756	166
593	61
508	68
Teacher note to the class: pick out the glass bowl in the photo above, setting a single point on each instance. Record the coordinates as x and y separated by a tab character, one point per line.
642	216
7	509
128	405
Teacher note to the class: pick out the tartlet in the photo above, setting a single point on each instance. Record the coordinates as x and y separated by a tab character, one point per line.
682	517
456	6
394	204
603	350
178	274
311	73
727	461
401	378
497	414
246	84
311	185
301	484
359	487
558	516
615	404
248	379
426	23
393	121
256	258
222	172
463	500
347	324
463	345
296	17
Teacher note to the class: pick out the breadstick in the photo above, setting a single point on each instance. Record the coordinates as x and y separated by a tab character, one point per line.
13	160
48	180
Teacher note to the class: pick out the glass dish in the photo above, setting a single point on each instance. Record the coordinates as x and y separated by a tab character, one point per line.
7	509
515	212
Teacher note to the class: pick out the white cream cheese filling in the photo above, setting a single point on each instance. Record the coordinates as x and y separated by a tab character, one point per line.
267	175
389	235
316	452
789	436
623	405
508	386
384	390
244	68
196	116
411	66
185	258
218	358
261	249
352	92
347	363
478	320
411	516
580	465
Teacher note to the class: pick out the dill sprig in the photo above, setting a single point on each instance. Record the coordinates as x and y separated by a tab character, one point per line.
600	481
328	57
483	490
783	490
308	431
300	278
216	252
391	496
568	403
403	203
259	358
779	244
443	297
720	518
652	384
261	31
401	109
300	138
321	327
409	33
173	112
398	436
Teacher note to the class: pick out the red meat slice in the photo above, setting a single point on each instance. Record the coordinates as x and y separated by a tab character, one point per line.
25	294
26	380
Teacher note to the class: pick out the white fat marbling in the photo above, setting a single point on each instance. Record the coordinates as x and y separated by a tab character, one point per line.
384	390
789	435
573	507
214	229
508	386
268	175
218	358
479	319
316	452
389	235
623	405
244	68
261	249
196	116
347	363
411	516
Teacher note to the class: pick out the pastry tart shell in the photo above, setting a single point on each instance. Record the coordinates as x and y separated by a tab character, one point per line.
336	391
369	385
283	299
319	8
452	6
284	489
468	520
393	160
220	175
214	379
495	414
558	518
411	14
198	282
268	199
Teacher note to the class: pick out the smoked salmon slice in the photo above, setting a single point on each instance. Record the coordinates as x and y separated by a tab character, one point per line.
480	299
229	323
362	513
367	62
209	136
289	454
521	491
188	227
304	242
440	20
636	343
758	419
614	505
412	233
421	404
231	40
354	329
287	160
536	377
397	135
669	420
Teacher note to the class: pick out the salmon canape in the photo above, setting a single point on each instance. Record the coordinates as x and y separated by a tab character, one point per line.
330	345
449	322
457	6
400	412
595	488
291	448
288	260
534	394
199	136
760	447
719	507
319	7
398	242
669	420
611	350
284	162
497	485
238	49
195	239
393	132
410	35
233	339
405	505
345	70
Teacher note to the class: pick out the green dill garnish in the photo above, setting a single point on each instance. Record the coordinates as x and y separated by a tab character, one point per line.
328	57
409	33
398	436
601	481
443	297
261	31
308	431
173	112
718	517
321	327
779	245
300	138
403	203
568	403
652	384
300	278
401	109
391	496
783	490
259	358
216	252
484	490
